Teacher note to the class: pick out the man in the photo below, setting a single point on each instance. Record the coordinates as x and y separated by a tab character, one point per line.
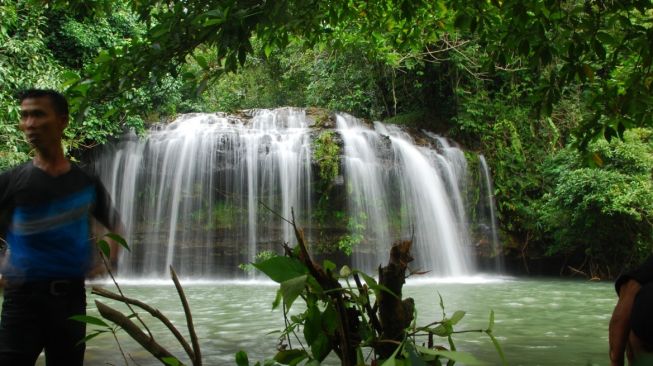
631	325
48	204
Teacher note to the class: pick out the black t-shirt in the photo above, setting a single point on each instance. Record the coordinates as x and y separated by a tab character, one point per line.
47	221
642	274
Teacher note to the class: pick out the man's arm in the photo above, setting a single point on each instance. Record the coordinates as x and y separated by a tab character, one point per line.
106	214
620	321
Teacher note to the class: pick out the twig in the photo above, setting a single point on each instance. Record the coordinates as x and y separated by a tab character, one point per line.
277	214
197	354
154	312
577	271
370	312
113	278
120	347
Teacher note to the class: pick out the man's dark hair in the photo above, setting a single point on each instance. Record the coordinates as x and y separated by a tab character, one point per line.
59	102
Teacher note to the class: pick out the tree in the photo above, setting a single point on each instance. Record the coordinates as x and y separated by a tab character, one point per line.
602	47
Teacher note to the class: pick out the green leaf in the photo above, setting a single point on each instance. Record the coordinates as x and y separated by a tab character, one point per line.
268	50
89	320
314	285
321	347
104	248
457	316
241	358
497	346
606	38
91	336
312	324
277	300
212	21
456	356
189	76
69	78
281	269
292	356
371	283
345	271
118	239
491	325
599	49
360	359
415	359
201	60
441	330
328	265
292	288
441	304
171	361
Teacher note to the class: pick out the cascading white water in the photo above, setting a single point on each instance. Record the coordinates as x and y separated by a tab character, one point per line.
443	240
367	180
489	207
192	193
194	200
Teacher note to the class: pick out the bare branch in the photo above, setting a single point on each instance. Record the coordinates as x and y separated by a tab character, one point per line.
134	331
197	354
154	312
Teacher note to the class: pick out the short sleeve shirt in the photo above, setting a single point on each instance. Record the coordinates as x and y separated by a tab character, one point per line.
47	221
642	274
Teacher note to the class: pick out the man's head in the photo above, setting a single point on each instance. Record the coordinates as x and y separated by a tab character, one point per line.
43	117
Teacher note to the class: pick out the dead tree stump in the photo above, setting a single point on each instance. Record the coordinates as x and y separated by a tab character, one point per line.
395	314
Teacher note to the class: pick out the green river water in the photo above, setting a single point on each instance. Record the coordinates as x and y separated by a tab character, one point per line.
538	321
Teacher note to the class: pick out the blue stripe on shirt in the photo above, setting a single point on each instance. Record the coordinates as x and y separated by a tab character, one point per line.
52	240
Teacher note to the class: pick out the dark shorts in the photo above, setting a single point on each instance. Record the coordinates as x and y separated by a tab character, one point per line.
35	317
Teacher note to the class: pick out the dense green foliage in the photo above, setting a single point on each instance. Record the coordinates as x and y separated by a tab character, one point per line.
24	61
540	88
48	47
605	212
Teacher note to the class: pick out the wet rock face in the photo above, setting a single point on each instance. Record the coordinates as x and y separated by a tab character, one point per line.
208	192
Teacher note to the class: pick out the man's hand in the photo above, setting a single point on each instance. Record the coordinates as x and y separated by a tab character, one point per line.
620	322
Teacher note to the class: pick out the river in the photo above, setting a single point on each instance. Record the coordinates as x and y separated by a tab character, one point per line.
538	321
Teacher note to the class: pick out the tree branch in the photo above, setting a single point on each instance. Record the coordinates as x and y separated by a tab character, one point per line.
134	331
197	358
154	312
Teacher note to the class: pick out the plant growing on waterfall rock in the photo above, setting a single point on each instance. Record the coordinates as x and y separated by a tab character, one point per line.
362	323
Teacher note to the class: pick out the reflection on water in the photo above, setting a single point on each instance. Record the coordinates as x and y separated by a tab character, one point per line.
538	322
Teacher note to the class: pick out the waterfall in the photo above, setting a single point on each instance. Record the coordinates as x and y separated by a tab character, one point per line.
487	208
208	192
195	200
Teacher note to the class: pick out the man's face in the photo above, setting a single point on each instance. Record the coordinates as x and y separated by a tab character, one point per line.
42	125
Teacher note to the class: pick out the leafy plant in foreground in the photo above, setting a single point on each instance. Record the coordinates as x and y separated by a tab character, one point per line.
361	323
